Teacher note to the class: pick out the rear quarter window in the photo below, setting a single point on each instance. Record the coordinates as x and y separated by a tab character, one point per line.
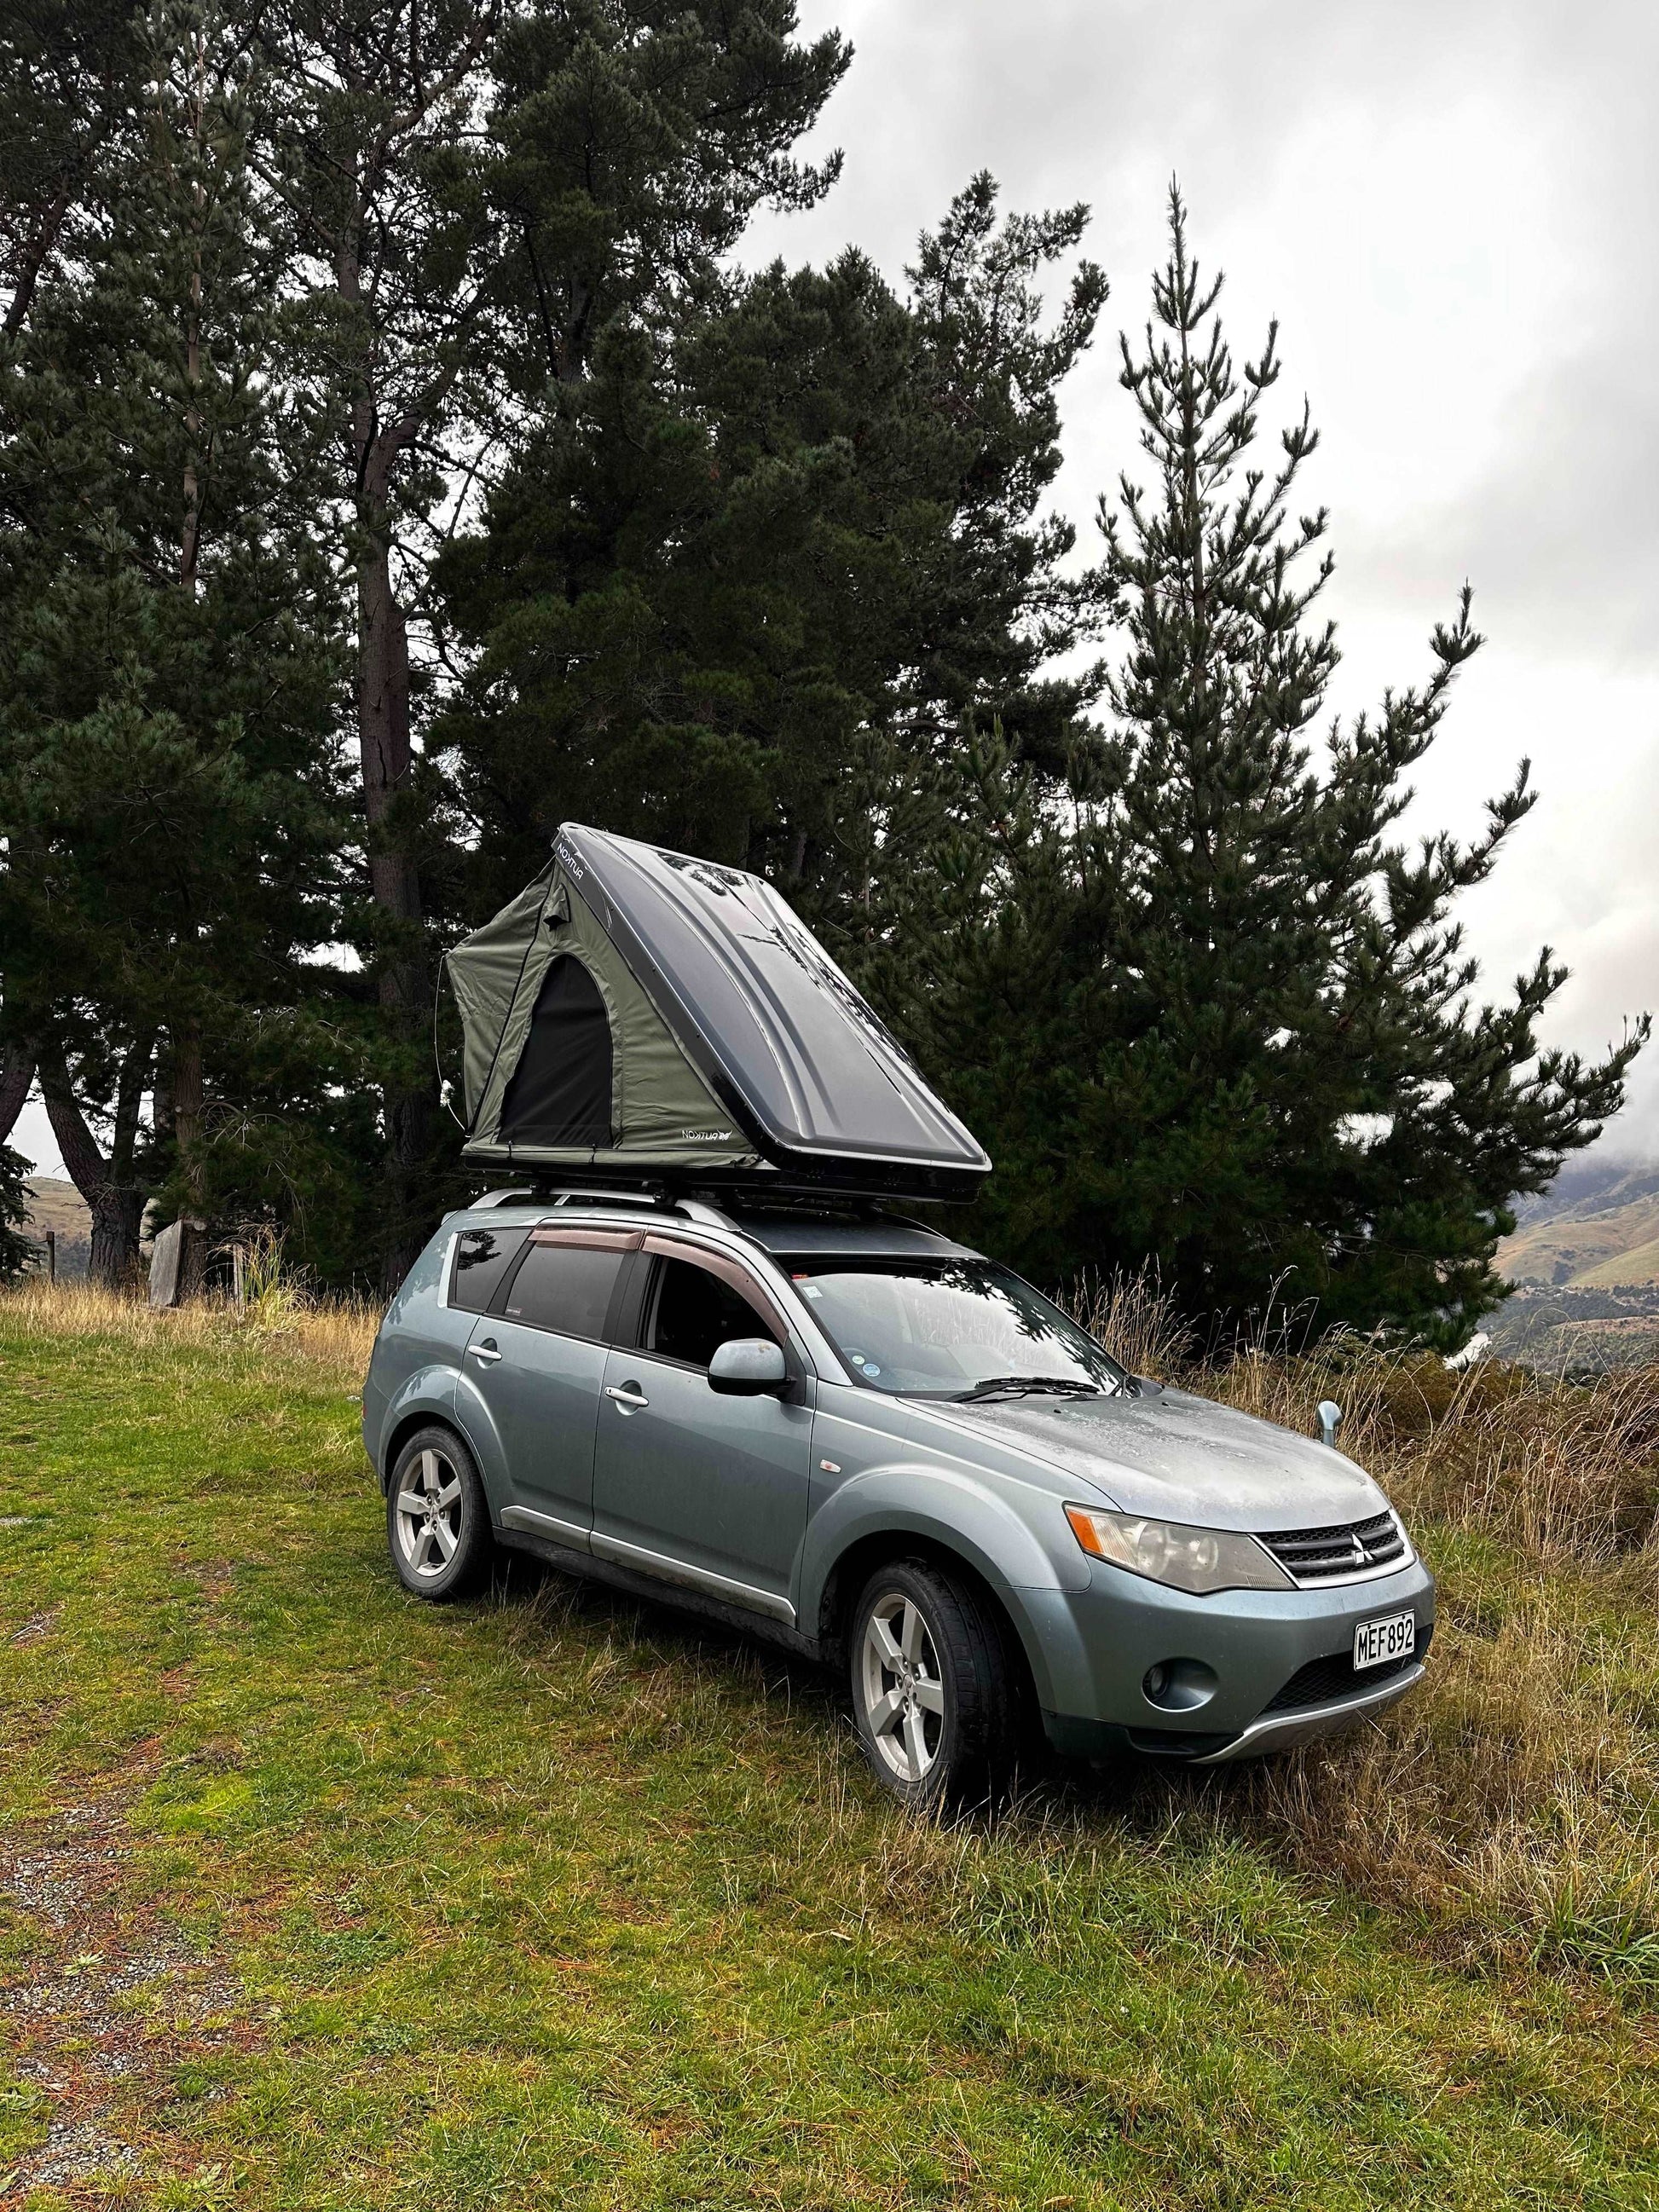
482	1257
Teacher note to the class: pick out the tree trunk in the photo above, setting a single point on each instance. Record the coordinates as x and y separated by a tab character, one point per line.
16	1074
114	1200
185	1103
384	747
118	1216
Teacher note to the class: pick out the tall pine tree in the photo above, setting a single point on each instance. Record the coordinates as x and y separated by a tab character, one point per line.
758	559
168	770
474	192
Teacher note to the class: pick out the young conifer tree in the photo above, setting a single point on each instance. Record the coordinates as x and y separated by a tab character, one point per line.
1214	1011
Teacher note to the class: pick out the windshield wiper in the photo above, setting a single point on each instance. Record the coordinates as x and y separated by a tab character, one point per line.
1018	1384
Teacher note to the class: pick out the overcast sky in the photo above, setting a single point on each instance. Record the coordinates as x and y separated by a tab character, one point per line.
1452	211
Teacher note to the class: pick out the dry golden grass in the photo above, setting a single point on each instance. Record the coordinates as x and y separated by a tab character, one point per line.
337	1333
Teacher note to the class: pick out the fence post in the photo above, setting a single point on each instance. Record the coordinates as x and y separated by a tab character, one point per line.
52	1257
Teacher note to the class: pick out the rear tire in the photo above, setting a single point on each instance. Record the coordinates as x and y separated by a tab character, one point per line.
437	1516
936	1690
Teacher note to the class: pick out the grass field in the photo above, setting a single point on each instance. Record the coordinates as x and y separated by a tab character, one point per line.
312	1895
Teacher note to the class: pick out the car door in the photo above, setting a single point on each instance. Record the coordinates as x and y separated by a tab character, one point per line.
707	1489
538	1359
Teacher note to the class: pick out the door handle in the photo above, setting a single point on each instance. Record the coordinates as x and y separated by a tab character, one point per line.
485	1353
629	1396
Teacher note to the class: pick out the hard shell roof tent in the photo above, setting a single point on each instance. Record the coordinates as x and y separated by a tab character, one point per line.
637	1014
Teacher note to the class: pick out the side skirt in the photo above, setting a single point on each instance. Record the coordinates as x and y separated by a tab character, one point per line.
584	1567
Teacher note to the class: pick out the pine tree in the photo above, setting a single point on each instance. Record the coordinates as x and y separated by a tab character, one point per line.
166	754
18	1253
1210	1011
473	190
68	118
756	561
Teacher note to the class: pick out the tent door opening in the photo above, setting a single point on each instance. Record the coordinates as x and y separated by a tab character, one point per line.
561	1090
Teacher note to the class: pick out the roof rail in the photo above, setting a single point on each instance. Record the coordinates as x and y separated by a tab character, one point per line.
541	1194
573	1196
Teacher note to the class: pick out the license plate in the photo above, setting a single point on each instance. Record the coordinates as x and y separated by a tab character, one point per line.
1392	1638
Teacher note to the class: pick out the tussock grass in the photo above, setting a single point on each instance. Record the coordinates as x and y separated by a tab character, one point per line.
1514	1799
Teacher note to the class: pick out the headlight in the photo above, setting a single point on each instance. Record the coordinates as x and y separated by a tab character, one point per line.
1196	1559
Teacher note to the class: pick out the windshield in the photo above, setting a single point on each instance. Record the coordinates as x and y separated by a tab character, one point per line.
947	1327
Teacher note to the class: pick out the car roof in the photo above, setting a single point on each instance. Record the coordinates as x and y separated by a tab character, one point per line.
796	1232
809	1238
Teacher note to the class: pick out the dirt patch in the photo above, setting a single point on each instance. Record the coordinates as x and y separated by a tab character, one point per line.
102	2006
36	1625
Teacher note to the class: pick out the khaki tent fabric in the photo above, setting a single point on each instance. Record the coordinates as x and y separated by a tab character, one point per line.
661	1109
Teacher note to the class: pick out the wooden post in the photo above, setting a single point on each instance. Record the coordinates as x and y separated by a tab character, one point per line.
51	1256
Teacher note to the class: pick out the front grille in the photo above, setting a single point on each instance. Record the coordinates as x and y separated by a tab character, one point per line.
1321	1555
1322	1680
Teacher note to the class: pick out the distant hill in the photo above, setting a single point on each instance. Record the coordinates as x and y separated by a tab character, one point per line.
1585	1260
1596	1229
55	1204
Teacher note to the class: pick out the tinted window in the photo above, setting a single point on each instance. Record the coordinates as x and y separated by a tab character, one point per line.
560	1286
694	1313
483	1256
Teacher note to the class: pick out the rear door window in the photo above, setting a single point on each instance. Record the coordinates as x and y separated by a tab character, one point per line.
482	1257
565	1287
692	1313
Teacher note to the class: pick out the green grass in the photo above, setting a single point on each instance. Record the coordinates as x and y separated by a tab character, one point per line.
545	1901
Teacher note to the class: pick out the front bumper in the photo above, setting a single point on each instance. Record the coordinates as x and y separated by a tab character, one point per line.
1245	1649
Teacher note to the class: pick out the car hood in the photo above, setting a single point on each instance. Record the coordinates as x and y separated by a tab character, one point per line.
1179	1457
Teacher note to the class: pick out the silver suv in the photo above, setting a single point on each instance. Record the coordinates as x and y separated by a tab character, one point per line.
889	1453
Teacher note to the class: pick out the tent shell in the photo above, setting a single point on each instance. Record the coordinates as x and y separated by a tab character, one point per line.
738	1051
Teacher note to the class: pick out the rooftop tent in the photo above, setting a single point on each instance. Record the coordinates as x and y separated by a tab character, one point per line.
636	1010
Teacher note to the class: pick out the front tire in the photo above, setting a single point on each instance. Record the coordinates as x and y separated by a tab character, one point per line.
935	1688
437	1517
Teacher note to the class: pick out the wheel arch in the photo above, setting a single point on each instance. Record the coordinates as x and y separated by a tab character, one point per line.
404	1424
852	1568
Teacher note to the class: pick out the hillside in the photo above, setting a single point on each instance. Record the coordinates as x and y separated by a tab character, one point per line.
1588	1229
1585	1260
58	1205
317	1897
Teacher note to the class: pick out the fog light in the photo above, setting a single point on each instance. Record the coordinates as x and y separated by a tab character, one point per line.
1179	1686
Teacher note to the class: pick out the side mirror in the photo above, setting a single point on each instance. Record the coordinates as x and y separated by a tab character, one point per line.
747	1366
1330	1420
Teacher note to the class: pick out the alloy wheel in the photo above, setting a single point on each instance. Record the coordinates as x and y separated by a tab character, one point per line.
429	1516
902	1686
